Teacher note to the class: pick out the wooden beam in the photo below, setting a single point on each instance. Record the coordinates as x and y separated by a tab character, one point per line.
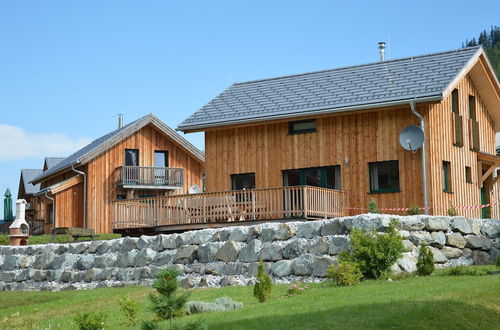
487	174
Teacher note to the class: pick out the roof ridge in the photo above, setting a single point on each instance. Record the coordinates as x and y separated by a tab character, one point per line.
357	65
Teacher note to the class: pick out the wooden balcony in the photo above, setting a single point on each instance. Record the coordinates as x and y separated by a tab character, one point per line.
218	209
140	177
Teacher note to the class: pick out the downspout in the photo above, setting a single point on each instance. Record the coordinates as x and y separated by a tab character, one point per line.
53	207
424	169
84	193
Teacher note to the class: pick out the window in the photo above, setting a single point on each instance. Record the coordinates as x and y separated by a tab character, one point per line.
326	177
468	174
458	138
121	196
447	177
161	158
243	181
472	107
131	157
384	176
473	125
302	126
454	101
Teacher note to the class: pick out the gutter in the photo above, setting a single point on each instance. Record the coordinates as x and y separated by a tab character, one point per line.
84	192
53	206
424	169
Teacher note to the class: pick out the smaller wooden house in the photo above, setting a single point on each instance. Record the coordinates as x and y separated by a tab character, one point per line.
145	158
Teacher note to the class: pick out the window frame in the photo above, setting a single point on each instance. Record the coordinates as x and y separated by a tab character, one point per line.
447	182
385	190
472	107
233	176
293	131
323	171
165	155
138	156
455	102
468	175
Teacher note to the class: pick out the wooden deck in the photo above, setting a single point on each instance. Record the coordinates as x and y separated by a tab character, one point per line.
229	207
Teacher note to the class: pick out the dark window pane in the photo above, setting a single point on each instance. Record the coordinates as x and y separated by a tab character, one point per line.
333	177
161	158
243	181
302	126
384	176
291	178
312	177
131	157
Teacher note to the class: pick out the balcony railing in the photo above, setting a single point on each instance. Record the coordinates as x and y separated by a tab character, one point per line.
230	206
141	177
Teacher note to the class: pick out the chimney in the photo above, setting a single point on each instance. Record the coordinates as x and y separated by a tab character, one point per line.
381	49
120	120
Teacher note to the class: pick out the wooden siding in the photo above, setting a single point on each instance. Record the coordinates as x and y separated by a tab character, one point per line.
69	206
359	138
441	134
101	173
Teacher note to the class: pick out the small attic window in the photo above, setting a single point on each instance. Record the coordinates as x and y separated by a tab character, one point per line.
302	126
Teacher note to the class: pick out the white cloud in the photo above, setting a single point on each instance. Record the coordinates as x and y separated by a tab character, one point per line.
16	144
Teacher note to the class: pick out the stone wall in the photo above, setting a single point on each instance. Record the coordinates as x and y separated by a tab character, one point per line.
293	251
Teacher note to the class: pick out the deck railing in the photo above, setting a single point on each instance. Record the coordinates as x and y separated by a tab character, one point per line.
133	176
229	206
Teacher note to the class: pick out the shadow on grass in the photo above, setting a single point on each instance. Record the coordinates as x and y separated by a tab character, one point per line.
443	314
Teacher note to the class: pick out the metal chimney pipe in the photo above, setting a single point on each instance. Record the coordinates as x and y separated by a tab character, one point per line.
120	120
381	48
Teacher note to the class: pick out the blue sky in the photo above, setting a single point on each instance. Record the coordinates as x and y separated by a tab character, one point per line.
68	67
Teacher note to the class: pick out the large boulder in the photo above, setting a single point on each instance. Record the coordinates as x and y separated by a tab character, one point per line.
456	240
164	258
438	239
302	266
275	232
367	222
282	268
420	237
270	252
494	254
105	261
202	236
437	223
321	264
44	260
490	228
185	254
66	260
184	239
221	235
309	229
250	252
451	252
145	257
338	243
126	259
411	223
408	245
128	244
461	225
228	252
408	262
319	246
78	248
333	227
239	234
207	252
295	248
480	258
478	242
439	257
10	263
145	242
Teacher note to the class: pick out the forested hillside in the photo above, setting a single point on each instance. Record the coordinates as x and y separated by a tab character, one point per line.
491	43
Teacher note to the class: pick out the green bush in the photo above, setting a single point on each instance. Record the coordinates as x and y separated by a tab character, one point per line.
374	252
296	288
193	325
498	262
263	286
150	325
452	212
221	304
167	304
91	321
414	210
372	206
425	262
466	271
130	309
347	273
4	239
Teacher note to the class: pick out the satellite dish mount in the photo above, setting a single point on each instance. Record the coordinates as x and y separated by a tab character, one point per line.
411	138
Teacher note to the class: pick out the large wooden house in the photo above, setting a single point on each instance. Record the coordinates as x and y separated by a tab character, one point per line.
339	129
145	158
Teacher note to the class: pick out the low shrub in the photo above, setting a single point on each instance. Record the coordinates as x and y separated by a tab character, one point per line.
425	262
16	321
374	252
466	271
414	210
372	206
151	325
130	309
192	325
91	321
263	286
4	239
498	262
296	288
347	273
452	212
221	304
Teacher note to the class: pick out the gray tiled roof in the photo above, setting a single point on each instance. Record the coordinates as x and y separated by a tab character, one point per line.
417	77
102	143
26	176
52	161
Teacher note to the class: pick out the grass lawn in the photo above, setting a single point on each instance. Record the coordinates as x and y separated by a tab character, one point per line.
435	302
44	239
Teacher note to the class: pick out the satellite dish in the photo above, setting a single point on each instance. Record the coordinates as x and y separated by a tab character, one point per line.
411	138
194	189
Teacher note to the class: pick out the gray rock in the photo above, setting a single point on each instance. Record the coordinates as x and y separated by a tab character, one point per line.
420	237
186	254
462	261
7	276
494	254
128	244
184	239
221	235
66	260
438	239
26	262
105	261
10	262
480	258
207	252
437	223
405	234
478	242
169	242
321	264
334	227
282	268
302	266
490	228
411	223
67	276
395	269
228	252
145	257
145	242
53	275
439	257
163	258
44	260
234	268
126	259
451	253
61	248
475	227
455	240
229	281
38	275
295	248
270	252
309	229
90	275
214	268
239	234
408	262
367	222
202	237
22	275
253	268
250	252
280	231
461	225
408	245
197	268
319	246
104	247
105	274
253	233
338	244
467	253
84	262
187	282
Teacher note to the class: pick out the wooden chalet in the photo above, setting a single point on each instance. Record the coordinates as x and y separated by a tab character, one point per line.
141	160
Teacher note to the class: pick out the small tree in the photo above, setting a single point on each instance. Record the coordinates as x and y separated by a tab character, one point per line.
263	286
372	206
166	304
452	212
347	273
425	262
414	210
